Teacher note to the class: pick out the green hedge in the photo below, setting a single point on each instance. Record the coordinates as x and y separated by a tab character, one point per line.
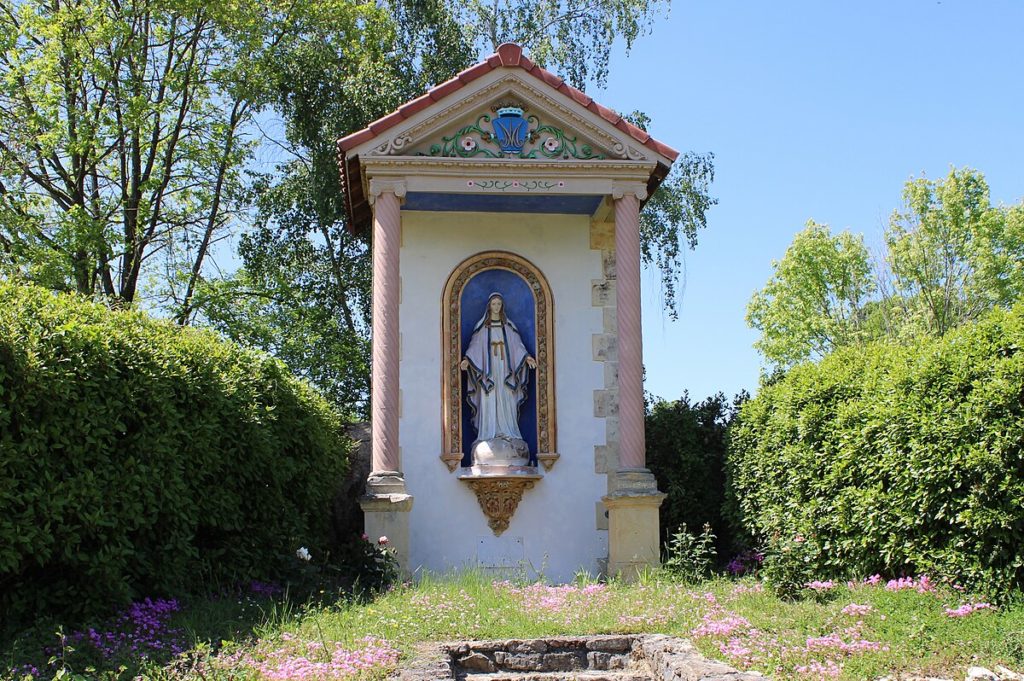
686	447
138	458
892	459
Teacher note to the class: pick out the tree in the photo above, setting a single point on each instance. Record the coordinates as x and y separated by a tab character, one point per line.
950	257
1000	256
119	139
125	130
952	254
302	294
128	135
674	216
812	304
303	270
573	37
686	451
303	291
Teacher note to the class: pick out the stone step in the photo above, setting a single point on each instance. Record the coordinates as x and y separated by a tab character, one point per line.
625	657
583	675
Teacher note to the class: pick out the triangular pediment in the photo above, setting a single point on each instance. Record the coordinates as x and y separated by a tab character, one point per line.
463	125
505	115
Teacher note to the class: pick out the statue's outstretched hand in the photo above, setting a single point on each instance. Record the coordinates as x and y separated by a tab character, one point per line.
531	362
464	364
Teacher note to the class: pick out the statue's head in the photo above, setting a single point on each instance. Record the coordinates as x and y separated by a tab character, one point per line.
495	308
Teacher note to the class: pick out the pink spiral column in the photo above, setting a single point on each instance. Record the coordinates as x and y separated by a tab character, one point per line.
384	384
627	293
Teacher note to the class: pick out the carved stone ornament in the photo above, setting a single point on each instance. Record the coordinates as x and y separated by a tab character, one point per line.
514	136
393	145
499	498
514	90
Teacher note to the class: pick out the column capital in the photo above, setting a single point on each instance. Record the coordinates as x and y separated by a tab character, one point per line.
378	187
620	189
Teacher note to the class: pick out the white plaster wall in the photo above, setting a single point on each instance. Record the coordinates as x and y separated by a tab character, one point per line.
554	528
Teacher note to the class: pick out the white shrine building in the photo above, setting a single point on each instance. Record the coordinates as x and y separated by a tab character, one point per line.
507	390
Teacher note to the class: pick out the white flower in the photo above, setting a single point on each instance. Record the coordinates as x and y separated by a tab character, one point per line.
468	143
383	541
303	554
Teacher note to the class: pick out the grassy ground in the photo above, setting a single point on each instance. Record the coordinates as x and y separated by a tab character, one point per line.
848	631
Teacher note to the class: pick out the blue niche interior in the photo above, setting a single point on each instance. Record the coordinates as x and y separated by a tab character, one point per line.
520	309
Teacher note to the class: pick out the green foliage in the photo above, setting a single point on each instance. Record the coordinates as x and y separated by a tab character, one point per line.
790	564
811	304
690	557
750	628
303	291
950	257
686	449
373	567
122	137
899	459
573	37
287	301
139	459
673	217
952	254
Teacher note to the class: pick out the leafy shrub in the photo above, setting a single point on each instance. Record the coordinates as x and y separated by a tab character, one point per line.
686	446
688	556
139	459
893	459
790	564
374	566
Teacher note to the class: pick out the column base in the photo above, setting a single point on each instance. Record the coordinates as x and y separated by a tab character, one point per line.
633	523
386	507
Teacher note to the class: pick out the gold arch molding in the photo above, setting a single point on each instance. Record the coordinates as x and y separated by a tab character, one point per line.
451	377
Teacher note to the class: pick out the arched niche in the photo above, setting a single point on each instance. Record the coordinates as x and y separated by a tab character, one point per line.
471	281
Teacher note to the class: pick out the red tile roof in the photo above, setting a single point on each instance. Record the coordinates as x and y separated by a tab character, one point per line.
508	54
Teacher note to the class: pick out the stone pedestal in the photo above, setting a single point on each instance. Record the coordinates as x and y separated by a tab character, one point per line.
633	526
386	507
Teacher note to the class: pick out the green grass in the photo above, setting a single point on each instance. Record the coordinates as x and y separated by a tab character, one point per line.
903	632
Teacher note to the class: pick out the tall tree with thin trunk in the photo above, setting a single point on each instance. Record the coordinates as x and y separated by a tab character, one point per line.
124	130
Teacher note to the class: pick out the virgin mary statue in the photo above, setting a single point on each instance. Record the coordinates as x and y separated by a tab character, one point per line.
498	366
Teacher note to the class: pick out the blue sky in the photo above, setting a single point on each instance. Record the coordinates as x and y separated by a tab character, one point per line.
813	110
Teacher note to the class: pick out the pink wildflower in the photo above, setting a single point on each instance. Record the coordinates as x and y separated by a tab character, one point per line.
383	541
820	586
968	608
744	589
857	610
900	584
834	642
296	663
925	584
821	670
718	622
568	603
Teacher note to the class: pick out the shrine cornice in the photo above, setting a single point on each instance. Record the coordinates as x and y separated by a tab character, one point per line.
409	167
507	112
424	180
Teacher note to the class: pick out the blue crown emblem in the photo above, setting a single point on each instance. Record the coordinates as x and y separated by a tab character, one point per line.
510	129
